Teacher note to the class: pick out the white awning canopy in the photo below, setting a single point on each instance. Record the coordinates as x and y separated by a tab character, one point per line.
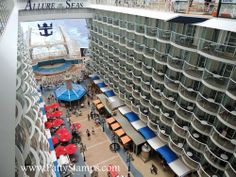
219	23
104	89
155	143
179	168
138	124
123	110
98	81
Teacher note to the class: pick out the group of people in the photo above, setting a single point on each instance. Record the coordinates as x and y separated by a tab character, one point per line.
88	132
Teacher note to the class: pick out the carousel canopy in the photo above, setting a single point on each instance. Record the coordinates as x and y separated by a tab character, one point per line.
75	93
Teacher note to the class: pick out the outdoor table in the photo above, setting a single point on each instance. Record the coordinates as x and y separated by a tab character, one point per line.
196	135
190	154
190	108
224	156
166	114
180	145
185	127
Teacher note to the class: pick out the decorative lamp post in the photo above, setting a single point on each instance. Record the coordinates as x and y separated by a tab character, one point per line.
82	149
129	158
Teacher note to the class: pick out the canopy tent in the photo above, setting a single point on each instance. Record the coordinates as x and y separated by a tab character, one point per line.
123	110
138	124
104	89
125	139
96	101
120	132
98	81
179	167
102	84
109	93
75	93
147	133
131	116
110	120
115	126
167	154
100	106
94	77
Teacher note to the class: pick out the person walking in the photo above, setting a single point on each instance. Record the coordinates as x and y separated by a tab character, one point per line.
88	117
93	131
88	133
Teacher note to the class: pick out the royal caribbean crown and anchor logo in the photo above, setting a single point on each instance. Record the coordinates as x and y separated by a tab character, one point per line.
66	4
45	28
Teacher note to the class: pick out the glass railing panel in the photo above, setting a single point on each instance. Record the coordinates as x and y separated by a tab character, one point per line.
193	71
175	62
160	57
215	80
149	51
212	158
224	142
151	31
218	49
163	34
227	116
131	26
188	93
139	47
208	103
232	87
184	40
139	28
130	43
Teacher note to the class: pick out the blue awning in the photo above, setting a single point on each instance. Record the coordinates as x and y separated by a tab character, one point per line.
43	111
131	116
51	147
95	78
109	93
167	154
147	133
100	85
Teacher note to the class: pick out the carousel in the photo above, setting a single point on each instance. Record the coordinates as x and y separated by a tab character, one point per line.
70	94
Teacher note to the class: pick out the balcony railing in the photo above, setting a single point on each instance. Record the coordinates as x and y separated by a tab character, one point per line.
207	104
229	118
219	82
175	62
193	70
184	40
232	88
151	31
218	49
163	34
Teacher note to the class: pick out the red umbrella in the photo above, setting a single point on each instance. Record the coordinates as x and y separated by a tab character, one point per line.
47	107
55	140
57	113
76	125
48	125
61	131
65	137
71	149
60	150
55	105
57	122
49	115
